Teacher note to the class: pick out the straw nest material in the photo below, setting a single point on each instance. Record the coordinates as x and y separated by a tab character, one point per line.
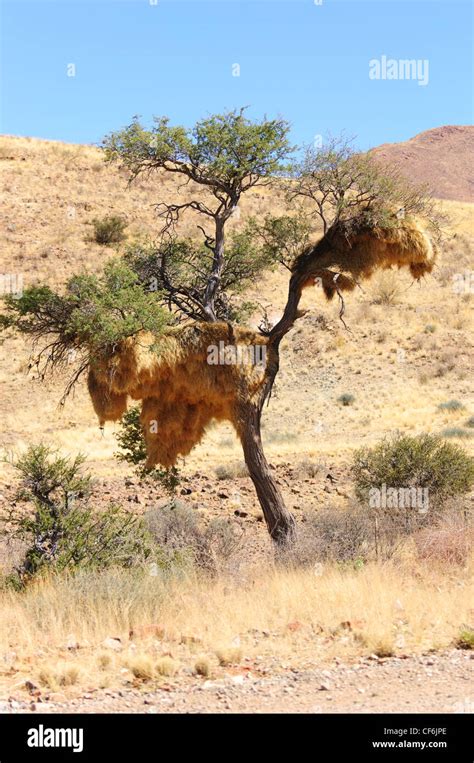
182	392
356	254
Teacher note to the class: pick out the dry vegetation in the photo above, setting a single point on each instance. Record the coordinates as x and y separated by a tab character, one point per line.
409	350
115	628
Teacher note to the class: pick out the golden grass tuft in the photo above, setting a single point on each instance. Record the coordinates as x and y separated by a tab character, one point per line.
409	606
141	666
202	667
229	656
166	666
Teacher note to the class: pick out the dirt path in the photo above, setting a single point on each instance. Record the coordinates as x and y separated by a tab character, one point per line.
442	683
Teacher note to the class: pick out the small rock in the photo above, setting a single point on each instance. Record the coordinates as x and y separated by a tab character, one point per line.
325	687
112	643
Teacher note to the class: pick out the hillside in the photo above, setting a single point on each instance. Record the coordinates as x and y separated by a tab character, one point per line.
441	157
418	341
335	636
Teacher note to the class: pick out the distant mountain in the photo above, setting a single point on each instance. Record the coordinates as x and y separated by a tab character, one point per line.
442	157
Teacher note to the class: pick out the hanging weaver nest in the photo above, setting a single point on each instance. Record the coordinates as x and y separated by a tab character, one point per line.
182	392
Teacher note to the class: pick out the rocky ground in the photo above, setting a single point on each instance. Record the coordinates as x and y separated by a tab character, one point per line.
434	683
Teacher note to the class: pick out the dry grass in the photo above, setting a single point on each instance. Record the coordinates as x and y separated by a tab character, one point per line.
299	616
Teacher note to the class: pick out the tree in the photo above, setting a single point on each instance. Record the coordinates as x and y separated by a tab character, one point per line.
225	155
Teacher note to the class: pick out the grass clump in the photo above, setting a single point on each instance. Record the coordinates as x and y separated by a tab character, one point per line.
141	667
109	230
166	666
456	432
229	656
202	667
346	398
451	405
465	640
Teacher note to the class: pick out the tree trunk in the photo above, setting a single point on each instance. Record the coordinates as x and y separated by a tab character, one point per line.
280	523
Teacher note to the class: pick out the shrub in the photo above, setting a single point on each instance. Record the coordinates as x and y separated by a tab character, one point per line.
346	399
424	461
456	432
386	289
109	230
331	535
177	530
451	405
470	422
62	531
132	443
465	640
448	541
231	471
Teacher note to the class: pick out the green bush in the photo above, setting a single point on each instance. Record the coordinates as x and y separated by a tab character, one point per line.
133	451
451	405
456	432
61	531
424	461
109	230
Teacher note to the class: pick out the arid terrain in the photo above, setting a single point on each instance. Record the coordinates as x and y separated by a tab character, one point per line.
325	640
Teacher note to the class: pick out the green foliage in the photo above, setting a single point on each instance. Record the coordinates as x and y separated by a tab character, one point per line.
456	432
133	451
451	405
109	230
465	640
226	150
175	270
424	461
62	531
353	188
283	238
94	314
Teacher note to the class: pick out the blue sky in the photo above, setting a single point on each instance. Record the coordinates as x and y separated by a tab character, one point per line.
304	61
